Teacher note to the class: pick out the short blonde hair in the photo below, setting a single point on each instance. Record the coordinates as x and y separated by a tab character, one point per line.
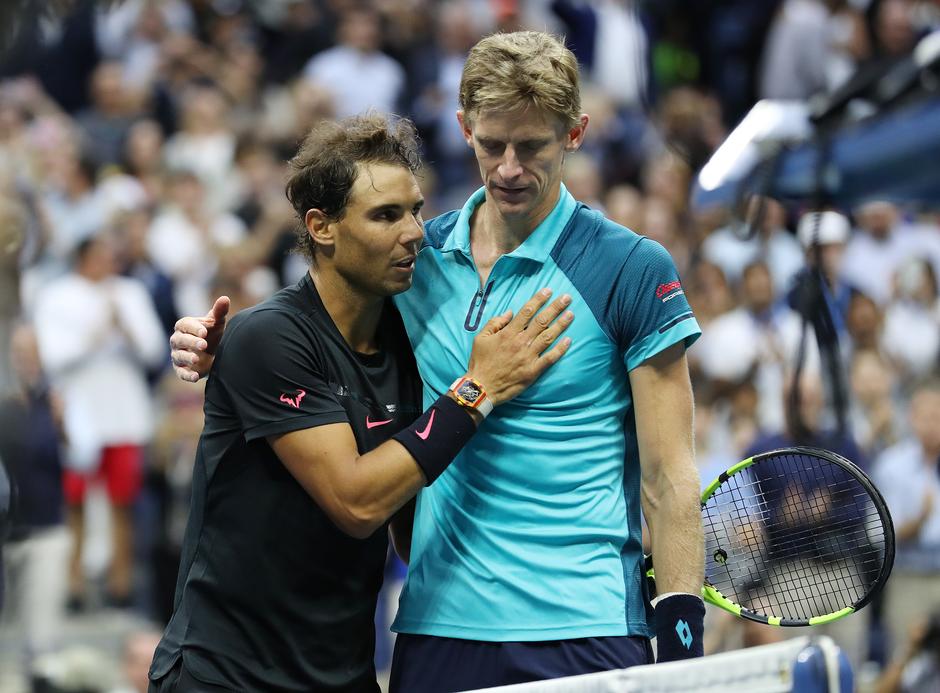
510	72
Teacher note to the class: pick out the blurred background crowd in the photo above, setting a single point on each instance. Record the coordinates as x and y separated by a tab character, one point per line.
142	149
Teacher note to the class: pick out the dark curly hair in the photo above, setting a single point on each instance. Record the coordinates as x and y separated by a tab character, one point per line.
323	171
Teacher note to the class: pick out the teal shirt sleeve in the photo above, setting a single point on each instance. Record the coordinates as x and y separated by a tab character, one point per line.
630	284
654	310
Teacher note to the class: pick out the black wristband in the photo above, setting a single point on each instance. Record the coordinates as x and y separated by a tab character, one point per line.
679	627
436	437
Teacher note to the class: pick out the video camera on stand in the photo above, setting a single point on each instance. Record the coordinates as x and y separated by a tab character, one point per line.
876	138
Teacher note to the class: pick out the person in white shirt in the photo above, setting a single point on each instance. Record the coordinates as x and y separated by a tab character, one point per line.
907	473
205	144
98	336
355	71
912	320
732	251
881	244
76	205
807	51
756	341
907	476
186	237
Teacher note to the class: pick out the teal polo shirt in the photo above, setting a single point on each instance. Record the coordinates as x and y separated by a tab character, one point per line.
533	532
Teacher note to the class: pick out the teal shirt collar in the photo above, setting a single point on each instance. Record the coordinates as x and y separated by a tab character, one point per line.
536	247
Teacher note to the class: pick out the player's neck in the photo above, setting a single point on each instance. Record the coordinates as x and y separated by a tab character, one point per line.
493	234
355	315
491	228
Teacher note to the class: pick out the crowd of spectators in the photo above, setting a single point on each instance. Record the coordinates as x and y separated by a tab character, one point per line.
142	149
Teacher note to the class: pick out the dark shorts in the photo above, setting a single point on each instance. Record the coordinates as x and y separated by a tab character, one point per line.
428	664
179	680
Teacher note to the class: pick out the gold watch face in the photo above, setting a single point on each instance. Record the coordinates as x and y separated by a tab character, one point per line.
469	391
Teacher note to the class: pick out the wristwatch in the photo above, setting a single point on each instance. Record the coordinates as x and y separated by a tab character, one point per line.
471	394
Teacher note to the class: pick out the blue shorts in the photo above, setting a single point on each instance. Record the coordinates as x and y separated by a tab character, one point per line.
429	664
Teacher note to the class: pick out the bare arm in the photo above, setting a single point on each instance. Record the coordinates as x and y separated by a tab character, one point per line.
358	492
893	674
662	396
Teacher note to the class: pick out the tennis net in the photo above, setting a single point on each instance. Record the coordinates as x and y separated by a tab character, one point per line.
804	665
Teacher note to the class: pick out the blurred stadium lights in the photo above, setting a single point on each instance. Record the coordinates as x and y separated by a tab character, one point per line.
873	139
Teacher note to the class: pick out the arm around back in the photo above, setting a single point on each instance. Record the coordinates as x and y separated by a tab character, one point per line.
360	492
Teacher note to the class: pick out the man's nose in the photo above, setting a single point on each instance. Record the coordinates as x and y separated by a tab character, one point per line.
413	232
510	167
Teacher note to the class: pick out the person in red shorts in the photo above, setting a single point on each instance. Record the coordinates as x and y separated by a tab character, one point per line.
119	470
98	335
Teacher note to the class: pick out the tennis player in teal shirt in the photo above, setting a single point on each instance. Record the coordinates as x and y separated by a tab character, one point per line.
542	509
526	555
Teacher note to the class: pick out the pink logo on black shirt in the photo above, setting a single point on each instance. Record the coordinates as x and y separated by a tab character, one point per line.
373	424
293	401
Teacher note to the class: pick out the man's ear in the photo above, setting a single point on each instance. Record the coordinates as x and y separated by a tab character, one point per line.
465	127
320	227
575	136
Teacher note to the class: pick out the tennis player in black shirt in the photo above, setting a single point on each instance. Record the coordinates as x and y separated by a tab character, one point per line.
315	436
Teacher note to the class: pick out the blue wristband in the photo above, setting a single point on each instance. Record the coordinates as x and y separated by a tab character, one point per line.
679	627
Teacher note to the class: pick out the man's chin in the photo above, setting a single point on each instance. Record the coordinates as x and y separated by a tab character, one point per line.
514	208
398	286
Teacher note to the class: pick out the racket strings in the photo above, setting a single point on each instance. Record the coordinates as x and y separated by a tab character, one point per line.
793	536
791	586
753	576
873	522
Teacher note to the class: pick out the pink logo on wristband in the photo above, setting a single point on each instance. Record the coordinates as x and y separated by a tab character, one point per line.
423	435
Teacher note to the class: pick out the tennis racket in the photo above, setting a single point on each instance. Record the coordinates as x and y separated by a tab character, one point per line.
794	537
